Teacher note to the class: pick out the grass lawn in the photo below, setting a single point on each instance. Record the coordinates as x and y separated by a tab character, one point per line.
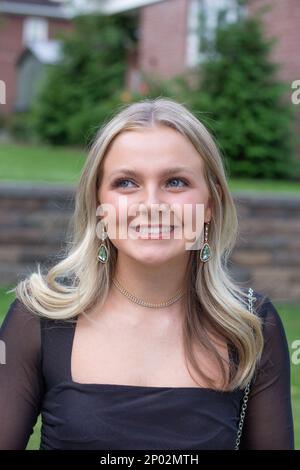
40	163
63	165
290	315
264	185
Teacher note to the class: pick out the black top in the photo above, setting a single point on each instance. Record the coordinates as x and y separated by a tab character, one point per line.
37	379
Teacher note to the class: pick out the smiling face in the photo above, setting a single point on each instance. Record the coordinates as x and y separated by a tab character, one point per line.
153	166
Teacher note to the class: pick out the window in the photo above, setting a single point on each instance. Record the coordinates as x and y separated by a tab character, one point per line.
34	30
202	20
214	10
193	33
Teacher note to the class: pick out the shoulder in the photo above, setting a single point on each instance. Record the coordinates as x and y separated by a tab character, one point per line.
276	350
273	330
19	316
265	308
20	332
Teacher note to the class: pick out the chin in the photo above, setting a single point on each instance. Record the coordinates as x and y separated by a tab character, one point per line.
154	256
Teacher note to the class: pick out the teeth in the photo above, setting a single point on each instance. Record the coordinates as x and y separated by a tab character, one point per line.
155	230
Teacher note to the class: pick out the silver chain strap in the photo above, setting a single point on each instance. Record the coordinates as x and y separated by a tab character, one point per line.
251	298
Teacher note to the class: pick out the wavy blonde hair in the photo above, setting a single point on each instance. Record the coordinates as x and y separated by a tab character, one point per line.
213	298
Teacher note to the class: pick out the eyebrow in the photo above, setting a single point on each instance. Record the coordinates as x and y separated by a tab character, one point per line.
167	172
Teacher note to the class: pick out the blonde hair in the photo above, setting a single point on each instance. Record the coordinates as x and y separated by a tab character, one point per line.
213	298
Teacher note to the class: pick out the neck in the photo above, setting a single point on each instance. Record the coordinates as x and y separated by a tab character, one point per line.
152	283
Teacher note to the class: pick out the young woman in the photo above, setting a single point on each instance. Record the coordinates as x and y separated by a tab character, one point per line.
145	341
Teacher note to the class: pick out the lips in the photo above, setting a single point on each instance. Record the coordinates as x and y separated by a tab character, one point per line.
137	228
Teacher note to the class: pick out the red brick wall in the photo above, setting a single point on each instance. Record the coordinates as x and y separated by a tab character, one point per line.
10	48
11	30
282	20
162	45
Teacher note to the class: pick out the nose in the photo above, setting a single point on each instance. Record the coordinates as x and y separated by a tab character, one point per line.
152	205
151	196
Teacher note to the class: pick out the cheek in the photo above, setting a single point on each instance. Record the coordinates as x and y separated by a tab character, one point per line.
197	195
188	202
106	196
111	198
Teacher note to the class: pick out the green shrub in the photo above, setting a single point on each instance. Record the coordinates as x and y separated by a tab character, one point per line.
78	93
243	102
19	125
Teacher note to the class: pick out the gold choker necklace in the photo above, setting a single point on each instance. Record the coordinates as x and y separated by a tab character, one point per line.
135	299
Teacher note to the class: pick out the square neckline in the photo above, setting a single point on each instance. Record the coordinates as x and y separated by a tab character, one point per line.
231	355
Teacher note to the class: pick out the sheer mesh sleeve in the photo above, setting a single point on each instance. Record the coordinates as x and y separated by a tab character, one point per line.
269	421
20	376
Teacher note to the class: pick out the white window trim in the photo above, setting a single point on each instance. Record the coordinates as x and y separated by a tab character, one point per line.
39	22
193	54
109	7
193	37
58	10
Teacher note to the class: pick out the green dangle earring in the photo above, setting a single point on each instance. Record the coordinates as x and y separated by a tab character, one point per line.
103	252
205	253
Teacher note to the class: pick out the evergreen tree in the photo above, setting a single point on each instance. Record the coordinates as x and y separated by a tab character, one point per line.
79	93
242	101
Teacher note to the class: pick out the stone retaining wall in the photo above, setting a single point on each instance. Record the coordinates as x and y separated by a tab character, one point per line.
34	221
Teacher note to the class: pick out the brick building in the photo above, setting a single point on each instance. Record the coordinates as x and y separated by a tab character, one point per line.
167	30
282	21
23	22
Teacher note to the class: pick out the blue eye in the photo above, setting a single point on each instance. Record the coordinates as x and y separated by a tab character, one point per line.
119	182
179	179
